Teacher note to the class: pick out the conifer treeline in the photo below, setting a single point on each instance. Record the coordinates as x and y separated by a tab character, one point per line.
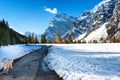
7	35
57	39
30	39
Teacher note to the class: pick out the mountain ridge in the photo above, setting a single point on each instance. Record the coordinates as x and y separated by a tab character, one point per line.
61	24
88	22
101	16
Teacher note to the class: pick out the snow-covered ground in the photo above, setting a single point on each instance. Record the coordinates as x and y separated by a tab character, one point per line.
85	61
16	51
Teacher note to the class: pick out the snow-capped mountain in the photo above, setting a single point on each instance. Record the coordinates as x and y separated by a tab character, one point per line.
91	25
96	18
38	36
113	26
81	25
61	24
103	12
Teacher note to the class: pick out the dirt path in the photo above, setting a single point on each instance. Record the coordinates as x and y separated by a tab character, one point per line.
31	67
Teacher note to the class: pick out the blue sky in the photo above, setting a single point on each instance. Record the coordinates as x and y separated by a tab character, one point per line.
35	15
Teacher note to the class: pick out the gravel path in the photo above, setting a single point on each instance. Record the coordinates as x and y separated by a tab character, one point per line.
31	67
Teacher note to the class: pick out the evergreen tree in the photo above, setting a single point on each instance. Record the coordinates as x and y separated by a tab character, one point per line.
29	37
36	40
70	39
4	33
65	41
8	35
43	39
58	38
27	40
32	38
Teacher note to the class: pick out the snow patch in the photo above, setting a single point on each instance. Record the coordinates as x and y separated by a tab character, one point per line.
80	37
97	34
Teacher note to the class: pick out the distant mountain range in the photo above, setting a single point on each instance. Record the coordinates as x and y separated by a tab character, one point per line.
27	34
96	24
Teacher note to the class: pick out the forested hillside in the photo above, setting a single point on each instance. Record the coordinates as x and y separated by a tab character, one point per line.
8	35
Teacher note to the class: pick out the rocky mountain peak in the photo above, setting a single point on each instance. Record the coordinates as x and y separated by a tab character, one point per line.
113	26
61	24
96	17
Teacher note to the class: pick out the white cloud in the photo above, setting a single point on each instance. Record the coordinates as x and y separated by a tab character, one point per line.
53	11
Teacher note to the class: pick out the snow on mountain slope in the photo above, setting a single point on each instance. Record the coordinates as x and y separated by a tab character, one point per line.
100	33
80	37
61	24
94	18
103	13
85	61
81	24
